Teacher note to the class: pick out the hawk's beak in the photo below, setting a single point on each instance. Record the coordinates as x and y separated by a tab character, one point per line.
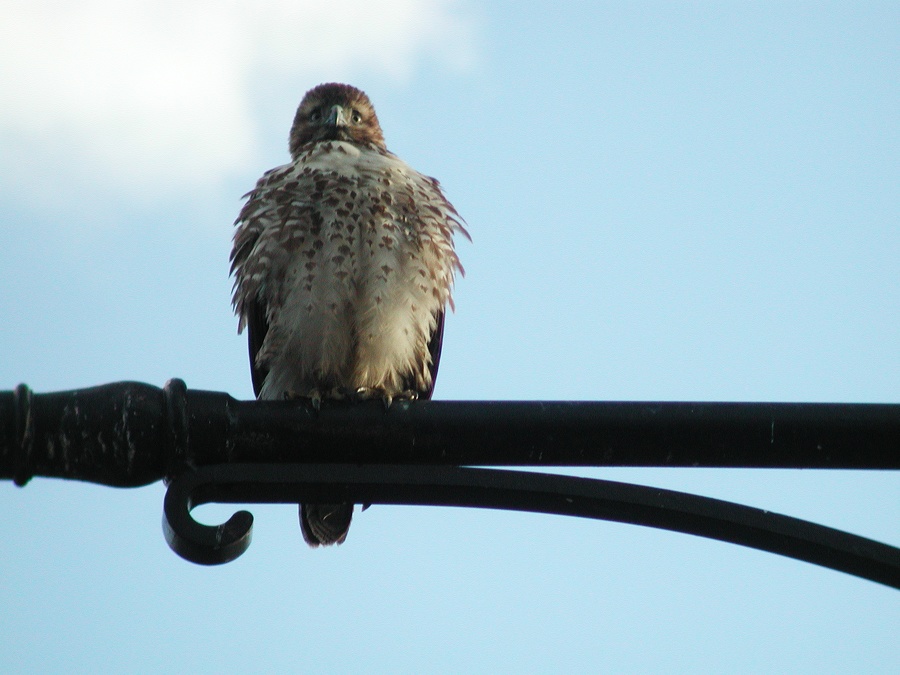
336	117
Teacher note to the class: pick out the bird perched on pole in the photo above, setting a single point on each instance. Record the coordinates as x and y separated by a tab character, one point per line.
344	263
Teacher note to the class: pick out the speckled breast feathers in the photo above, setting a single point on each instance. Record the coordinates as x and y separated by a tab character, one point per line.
346	254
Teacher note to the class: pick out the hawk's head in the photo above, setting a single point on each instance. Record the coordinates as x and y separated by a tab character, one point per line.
335	112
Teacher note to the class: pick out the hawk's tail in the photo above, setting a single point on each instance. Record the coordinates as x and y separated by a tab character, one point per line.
325	524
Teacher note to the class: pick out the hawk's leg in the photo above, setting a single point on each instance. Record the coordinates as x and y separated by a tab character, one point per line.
369	393
357	395
314	396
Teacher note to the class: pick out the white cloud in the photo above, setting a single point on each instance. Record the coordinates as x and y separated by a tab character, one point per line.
156	93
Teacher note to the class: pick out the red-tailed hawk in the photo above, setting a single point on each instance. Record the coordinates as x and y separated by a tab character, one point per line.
344	264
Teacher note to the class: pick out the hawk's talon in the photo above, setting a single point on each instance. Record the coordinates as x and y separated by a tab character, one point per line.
314	397
339	394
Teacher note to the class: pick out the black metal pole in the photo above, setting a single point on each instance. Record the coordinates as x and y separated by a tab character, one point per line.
131	434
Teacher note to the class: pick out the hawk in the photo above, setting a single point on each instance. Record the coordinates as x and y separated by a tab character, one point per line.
343	264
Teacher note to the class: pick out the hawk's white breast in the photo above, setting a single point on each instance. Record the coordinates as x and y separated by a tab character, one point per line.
351	252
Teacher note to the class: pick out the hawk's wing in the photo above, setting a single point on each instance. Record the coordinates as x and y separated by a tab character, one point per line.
257	327
247	301
434	348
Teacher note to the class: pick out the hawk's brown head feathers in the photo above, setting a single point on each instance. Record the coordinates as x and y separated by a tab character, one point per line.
335	112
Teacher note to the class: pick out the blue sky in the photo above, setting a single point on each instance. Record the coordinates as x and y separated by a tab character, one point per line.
668	201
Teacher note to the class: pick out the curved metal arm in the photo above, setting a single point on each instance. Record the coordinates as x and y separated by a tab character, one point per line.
503	489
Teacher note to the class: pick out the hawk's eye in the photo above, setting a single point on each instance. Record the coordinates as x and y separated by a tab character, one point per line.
356	116
315	115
